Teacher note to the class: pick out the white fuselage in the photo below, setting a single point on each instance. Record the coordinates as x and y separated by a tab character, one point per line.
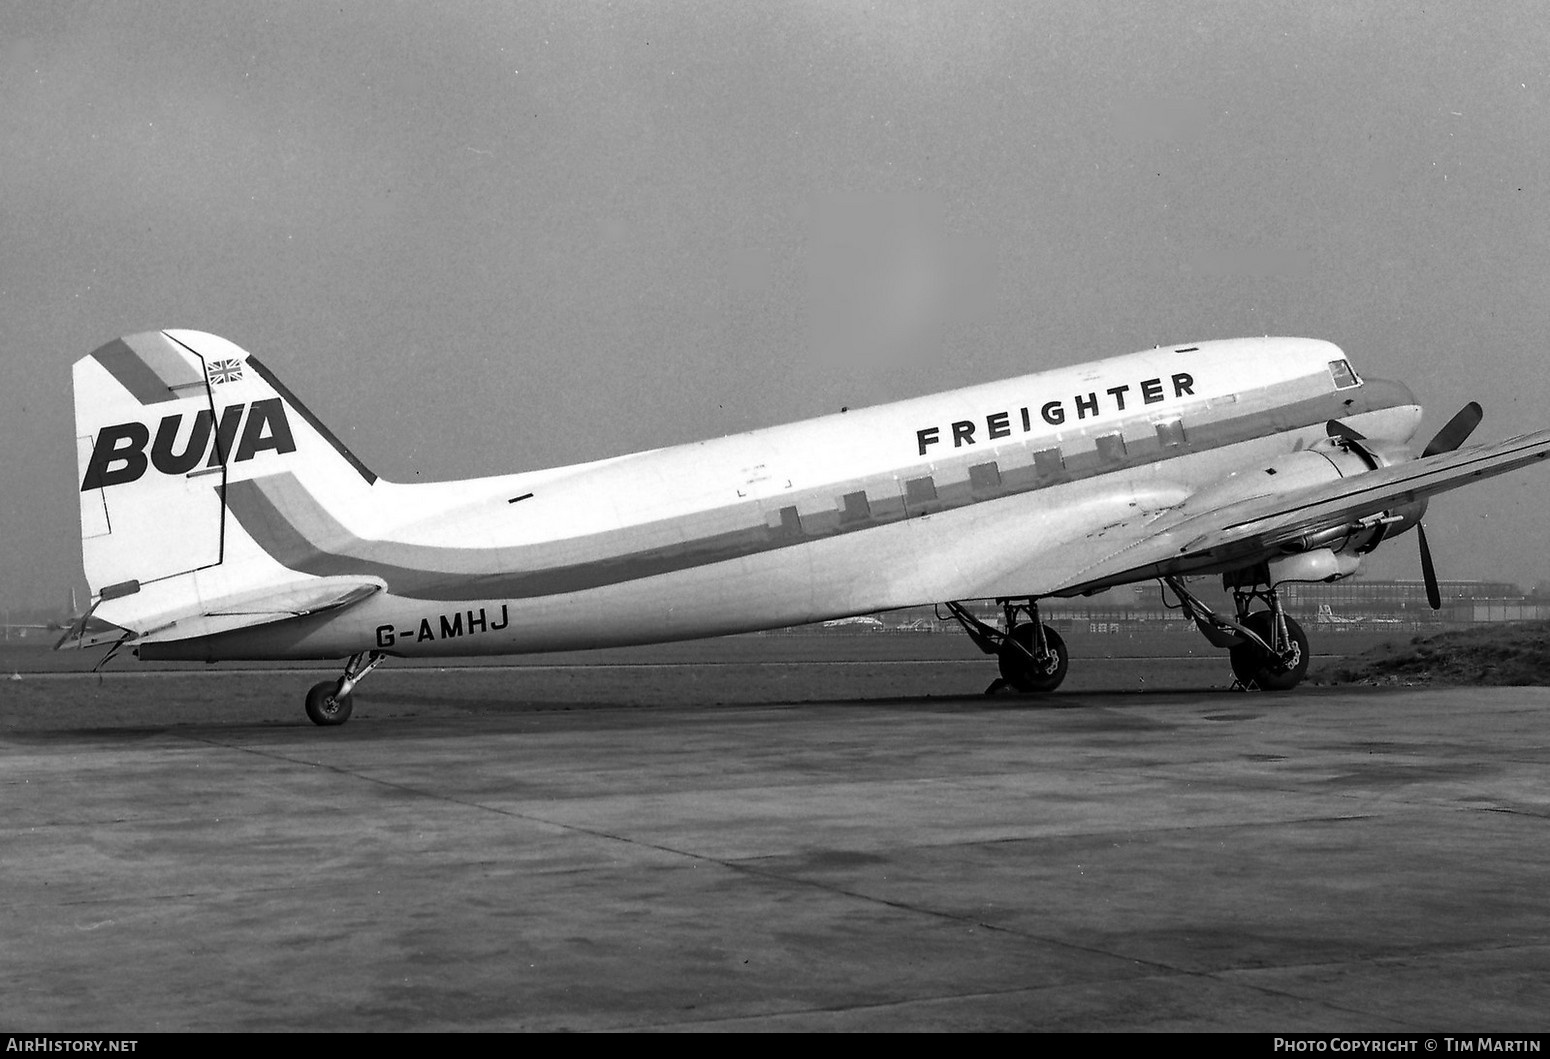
961	495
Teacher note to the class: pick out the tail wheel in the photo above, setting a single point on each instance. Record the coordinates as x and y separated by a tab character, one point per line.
1036	673
1254	667
325	706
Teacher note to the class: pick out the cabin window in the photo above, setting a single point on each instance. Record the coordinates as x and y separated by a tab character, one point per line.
1111	447
1170	433
918	492
1048	462
1344	377
854	507
920	497
984	478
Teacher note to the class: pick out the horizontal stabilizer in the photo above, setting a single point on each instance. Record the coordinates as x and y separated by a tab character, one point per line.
88	631
243	610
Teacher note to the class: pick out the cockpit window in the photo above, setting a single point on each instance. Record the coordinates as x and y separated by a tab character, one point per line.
1344	377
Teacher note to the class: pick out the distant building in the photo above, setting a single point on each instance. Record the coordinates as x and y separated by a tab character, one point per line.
1344	604
1462	601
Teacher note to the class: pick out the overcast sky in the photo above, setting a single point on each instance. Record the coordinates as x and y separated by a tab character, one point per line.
479	237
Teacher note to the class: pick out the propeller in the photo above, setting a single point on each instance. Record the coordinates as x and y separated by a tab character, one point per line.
1450	437
1428	571
1353	440
1345	431
1456	432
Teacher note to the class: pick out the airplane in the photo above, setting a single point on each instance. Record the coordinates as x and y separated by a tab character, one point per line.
61	624
221	520
864	621
1327	616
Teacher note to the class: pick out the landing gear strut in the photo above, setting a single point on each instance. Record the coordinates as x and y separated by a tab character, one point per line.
329	702
1267	648
1032	656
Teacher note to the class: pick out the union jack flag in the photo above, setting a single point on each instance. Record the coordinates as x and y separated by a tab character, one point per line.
221	371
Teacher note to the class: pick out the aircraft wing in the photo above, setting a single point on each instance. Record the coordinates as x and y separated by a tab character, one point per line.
1186	539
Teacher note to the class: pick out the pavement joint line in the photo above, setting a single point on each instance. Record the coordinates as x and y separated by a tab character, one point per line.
1031	990
729	865
427	667
726	863
1505	810
751	868
1439	951
1240	975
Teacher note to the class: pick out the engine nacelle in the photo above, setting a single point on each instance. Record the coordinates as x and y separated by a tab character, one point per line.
1324	462
1327	461
1321	565
1402	517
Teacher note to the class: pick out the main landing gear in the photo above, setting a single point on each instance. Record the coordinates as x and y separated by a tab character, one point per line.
1267	648
1032	656
329	702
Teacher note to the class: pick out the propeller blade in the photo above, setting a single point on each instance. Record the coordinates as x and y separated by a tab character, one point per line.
1428	571
1457	431
1336	429
1354	441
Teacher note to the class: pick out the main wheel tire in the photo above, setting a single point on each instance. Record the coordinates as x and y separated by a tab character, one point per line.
1026	674
326	708
1255	668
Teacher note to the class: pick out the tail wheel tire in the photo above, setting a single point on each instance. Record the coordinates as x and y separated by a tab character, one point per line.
1254	667
325	706
1034	674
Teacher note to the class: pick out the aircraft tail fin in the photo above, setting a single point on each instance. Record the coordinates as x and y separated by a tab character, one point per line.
168	424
